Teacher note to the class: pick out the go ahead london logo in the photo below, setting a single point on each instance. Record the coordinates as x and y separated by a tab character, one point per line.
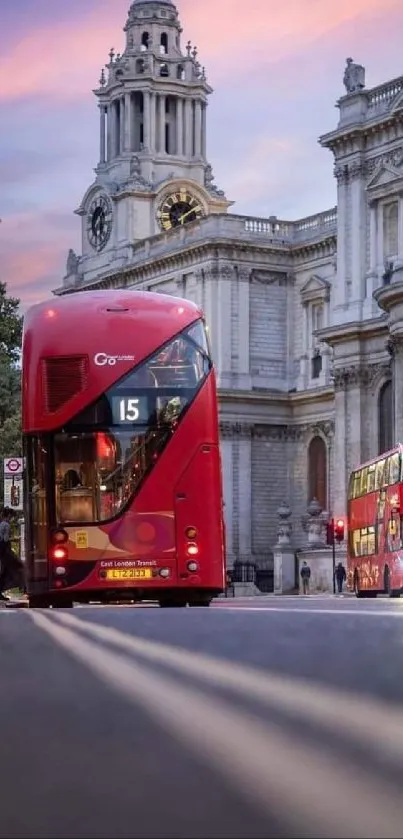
103	359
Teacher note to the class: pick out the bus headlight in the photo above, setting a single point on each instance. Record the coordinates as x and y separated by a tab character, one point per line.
165	572
60	570
192	549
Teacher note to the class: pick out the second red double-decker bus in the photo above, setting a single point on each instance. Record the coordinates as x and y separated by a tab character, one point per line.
123	469
375	533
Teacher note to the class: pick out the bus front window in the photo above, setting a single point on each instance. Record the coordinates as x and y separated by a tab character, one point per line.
104	454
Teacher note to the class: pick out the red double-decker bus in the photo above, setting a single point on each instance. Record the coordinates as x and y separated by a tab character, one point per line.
123	468
375	536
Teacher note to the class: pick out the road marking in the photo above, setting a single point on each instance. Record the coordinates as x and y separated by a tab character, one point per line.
361	719
264	764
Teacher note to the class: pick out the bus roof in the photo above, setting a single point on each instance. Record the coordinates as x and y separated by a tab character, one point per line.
396	449
149	303
90	327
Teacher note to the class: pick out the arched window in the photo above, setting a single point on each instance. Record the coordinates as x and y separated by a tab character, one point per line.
385	417
140	66
390	229
317	472
164	44
180	72
164	70
145	38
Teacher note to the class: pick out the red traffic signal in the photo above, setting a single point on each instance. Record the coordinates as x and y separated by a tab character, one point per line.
335	531
339	530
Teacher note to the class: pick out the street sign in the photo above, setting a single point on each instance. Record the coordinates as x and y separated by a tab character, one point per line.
13	466
13	482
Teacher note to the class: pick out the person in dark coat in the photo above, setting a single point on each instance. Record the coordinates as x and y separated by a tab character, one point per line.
341	576
305	576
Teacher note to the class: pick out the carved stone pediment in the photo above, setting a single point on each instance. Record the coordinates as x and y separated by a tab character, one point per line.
315	289
384	175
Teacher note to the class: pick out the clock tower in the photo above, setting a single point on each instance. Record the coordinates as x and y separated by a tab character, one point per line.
153	174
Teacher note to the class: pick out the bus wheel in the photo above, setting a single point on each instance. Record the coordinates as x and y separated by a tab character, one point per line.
357	591
172	603
202	601
38	602
391	592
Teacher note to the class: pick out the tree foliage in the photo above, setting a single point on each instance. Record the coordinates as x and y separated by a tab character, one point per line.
10	327
10	376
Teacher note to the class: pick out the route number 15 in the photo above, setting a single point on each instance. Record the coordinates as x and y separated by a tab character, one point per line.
129	410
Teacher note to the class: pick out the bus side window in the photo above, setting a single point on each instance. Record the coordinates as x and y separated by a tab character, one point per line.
394	469
364	479
357	485
394	533
356	542
379	476
371	479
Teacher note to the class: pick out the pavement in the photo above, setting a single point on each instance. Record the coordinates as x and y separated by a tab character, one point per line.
259	717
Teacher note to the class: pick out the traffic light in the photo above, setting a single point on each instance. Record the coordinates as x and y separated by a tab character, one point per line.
339	530
335	531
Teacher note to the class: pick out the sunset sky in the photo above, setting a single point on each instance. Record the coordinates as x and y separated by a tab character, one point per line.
276	69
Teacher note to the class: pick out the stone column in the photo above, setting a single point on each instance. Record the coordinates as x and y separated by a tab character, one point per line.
179	126
102	123
108	132
128	115
397	346
162	100
188	128
245	499
284	554
122	122
228	480
147	120
358	211
198	128
243	339
153	122
204	130
115	135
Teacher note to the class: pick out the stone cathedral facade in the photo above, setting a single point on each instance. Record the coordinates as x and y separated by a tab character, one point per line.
305	316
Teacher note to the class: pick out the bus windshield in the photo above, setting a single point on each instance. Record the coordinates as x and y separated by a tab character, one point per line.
101	457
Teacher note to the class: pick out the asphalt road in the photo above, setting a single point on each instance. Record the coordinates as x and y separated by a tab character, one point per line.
258	718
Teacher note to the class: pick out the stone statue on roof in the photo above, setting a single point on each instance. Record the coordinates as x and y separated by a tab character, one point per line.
354	76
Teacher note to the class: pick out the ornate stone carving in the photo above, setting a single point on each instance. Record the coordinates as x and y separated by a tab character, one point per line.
393	158
314	524
356	376
284	528
354	76
72	263
341	173
244	274
394	346
136	180
357	169
211	272
226	272
211	187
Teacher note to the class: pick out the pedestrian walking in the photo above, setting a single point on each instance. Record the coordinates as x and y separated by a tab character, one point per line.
341	576
305	576
11	567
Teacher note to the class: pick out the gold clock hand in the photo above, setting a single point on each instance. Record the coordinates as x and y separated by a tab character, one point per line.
189	212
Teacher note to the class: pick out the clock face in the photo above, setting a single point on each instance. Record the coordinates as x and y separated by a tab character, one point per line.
99	222
179	207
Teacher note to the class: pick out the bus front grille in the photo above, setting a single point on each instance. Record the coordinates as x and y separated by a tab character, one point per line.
62	379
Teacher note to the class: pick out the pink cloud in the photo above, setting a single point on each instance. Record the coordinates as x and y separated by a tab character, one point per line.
65	59
33	247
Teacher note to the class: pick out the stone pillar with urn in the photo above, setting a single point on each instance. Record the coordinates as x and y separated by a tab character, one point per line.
316	552
284	554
